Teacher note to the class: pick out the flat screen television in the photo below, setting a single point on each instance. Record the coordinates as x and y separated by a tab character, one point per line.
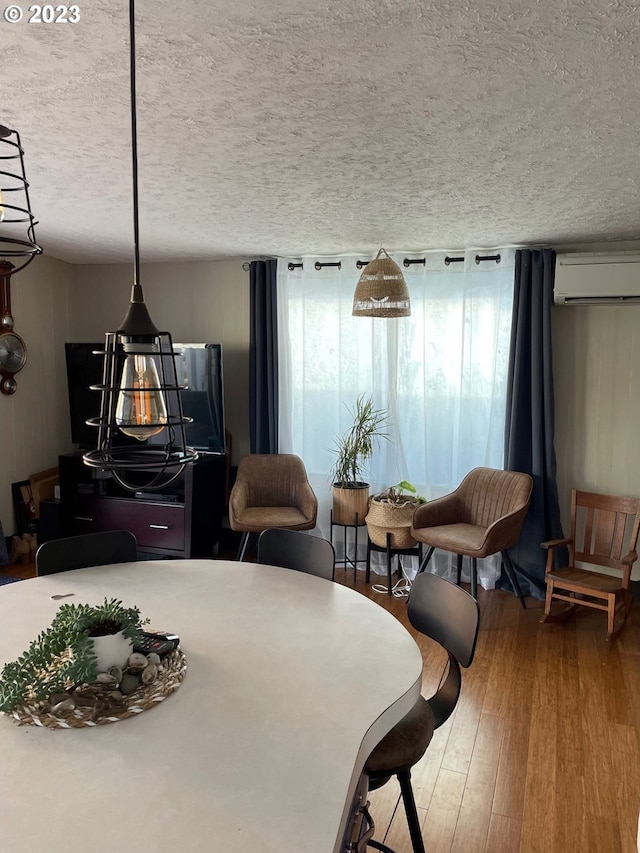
199	368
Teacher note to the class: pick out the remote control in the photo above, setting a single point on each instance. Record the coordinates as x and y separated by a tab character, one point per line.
159	642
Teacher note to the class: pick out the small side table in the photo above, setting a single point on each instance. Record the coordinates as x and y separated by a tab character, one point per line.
414	551
347	560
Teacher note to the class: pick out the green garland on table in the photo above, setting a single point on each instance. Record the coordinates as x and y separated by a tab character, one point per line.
63	655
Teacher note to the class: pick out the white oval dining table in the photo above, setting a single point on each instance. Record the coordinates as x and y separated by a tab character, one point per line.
291	681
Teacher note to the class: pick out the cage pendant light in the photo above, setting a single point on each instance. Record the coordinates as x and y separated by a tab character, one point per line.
17	222
141	438
381	290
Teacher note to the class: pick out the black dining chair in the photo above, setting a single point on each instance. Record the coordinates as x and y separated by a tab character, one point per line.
449	615
89	549
293	549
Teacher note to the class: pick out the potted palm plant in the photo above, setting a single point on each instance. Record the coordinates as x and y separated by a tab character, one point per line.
391	512
353	450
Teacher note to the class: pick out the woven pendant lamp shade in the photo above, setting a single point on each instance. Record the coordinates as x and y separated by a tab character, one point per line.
381	290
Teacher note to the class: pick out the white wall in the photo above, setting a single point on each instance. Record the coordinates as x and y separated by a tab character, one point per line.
597	390
34	422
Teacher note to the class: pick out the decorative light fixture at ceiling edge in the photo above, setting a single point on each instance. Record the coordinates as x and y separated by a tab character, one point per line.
17	222
141	436
381	290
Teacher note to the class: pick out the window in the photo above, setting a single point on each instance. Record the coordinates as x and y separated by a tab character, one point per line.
441	373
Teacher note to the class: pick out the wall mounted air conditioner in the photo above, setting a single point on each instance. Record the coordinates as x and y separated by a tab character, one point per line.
597	278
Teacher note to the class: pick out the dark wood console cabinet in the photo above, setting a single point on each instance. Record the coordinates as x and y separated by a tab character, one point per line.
185	521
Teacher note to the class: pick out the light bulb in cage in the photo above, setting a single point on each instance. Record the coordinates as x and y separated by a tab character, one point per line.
141	410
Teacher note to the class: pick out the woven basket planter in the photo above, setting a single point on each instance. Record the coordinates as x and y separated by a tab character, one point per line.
394	518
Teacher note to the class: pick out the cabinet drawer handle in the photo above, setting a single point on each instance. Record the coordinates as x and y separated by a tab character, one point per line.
159	526
83	518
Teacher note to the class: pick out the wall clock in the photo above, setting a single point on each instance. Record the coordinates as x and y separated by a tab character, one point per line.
13	350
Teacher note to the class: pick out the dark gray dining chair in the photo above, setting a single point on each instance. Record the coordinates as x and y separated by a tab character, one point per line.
89	549
449	615
293	549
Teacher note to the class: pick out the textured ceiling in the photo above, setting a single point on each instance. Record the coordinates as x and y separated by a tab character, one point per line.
293	127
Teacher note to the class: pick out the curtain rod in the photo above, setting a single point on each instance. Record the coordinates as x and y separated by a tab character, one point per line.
318	265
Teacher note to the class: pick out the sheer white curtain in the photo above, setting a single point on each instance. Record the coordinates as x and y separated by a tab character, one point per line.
441	373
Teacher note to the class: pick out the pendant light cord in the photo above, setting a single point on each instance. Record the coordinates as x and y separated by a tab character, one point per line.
134	141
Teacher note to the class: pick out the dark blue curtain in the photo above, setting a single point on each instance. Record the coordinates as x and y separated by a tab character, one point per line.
529	426
263	357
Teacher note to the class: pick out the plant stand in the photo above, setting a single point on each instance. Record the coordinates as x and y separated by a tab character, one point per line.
415	551
347	560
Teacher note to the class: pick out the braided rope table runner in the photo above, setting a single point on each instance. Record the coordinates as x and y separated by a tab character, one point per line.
174	667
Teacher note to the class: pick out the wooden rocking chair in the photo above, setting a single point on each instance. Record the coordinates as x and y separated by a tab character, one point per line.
602	527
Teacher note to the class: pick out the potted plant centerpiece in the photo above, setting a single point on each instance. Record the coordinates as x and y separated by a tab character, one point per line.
353	450
82	641
391	512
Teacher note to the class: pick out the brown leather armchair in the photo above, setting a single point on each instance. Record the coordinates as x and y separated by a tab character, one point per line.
271	490
483	516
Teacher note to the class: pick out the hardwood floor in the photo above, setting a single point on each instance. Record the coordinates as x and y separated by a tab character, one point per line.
19	570
542	754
